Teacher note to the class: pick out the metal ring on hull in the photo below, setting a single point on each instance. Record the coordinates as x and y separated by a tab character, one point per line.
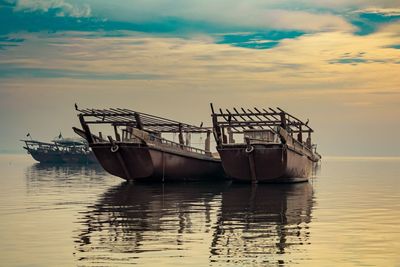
249	149
114	148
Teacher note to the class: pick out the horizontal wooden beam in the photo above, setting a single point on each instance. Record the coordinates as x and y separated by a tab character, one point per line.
241	114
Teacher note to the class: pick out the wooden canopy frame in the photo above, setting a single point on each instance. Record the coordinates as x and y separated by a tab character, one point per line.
140	120
245	119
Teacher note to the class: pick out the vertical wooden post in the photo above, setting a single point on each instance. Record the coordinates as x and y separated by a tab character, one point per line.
230	136
216	128
139	123
188	137
85	127
252	165
123	134
224	137
283	120
308	141
181	141
120	159
300	135
163	166
117	136
207	144
130	132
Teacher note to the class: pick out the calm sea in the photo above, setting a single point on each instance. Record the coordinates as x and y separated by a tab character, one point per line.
348	215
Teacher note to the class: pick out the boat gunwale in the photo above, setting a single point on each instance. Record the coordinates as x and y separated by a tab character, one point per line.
182	153
276	146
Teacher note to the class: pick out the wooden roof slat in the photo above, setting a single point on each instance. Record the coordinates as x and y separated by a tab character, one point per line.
297	119
258	117
121	117
251	113
274	111
245	114
261	118
230	114
237	112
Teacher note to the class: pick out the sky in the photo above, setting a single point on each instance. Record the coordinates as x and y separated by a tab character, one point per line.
336	63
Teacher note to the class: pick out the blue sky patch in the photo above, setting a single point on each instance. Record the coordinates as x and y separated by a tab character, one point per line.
259	40
368	22
13	21
7	42
352	61
55	19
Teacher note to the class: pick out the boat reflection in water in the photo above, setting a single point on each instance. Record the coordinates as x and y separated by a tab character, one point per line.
262	223
196	223
137	218
44	176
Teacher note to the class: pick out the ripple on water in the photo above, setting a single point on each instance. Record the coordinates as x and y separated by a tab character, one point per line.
69	215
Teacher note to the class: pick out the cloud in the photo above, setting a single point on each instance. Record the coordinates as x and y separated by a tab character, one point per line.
387	12
295	74
311	61
189	18
360	58
265	27
239	15
258	40
396	46
8	42
369	20
288	19
352	61
7	71
340	4
7	3
60	7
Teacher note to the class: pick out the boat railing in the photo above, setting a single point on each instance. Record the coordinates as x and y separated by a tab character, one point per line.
297	145
159	141
46	147
182	147
255	141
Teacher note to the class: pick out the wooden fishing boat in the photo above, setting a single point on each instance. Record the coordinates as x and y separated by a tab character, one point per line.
139	149
61	150
267	150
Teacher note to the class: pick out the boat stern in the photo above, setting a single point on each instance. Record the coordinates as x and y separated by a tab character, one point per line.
268	161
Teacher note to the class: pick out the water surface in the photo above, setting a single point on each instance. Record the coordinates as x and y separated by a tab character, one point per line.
347	215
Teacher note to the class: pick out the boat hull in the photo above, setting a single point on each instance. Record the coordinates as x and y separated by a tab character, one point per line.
143	163
270	163
62	158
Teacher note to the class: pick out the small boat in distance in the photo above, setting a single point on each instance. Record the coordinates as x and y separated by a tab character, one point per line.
267	150
60	150
138	146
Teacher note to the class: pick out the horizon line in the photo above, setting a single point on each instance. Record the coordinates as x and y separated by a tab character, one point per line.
323	157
